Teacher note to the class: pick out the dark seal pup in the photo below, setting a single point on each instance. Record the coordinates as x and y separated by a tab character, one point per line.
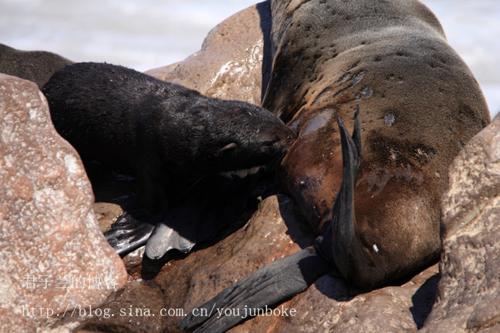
167	136
419	105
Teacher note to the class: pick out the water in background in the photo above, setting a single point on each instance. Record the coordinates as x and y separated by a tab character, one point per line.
151	33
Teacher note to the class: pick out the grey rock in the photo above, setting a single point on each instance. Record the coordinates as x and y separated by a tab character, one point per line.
469	290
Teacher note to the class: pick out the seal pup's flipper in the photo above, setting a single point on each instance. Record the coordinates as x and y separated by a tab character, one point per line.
210	208
266	287
164	239
177	230
128	234
291	275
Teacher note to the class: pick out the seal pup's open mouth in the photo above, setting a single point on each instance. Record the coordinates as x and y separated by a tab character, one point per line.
242	173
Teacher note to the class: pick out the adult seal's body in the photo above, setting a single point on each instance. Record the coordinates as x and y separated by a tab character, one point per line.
419	104
167	136
35	66
419	101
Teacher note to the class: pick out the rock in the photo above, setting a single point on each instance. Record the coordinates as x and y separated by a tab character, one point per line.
54	257
136	308
183	284
330	305
231	62
468	298
106	214
274	231
36	66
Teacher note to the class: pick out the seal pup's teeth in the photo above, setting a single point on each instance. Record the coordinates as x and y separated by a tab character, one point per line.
164	239
254	170
269	285
229	174
243	173
128	234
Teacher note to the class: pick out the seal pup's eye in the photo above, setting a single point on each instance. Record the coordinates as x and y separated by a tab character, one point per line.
229	147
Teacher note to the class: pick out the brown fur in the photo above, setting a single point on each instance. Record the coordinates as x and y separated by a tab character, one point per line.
35	66
419	105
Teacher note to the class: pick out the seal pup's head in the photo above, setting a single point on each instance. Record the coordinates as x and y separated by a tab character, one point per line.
233	138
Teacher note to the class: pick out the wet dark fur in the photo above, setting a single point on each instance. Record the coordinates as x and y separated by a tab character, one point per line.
161	132
170	139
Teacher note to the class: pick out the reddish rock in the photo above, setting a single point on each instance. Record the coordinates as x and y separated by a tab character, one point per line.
229	64
183	284
136	308
272	233
54	257
107	214
330	305
35	66
468	298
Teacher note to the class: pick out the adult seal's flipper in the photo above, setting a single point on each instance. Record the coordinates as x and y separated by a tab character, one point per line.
128	234
339	242
164	239
266	287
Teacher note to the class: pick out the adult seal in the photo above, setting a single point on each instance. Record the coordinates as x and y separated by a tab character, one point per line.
35	66
167	136
419	105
